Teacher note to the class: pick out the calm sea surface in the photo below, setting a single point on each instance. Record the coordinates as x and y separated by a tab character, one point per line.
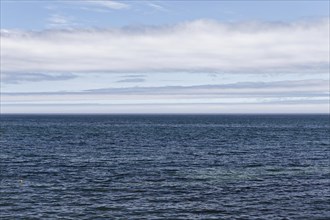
165	167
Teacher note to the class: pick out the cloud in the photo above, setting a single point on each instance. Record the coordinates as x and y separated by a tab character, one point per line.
197	46
132	80
269	108
300	96
155	6
298	88
60	21
34	77
134	76
109	4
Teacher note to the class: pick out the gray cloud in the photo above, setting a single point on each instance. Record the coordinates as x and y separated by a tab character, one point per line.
134	76
301	96
299	88
34	77
279	101
241	88
131	80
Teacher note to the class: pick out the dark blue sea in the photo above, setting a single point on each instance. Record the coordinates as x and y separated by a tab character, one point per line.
165	167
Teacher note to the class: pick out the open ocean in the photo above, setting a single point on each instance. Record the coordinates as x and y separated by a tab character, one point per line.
165	167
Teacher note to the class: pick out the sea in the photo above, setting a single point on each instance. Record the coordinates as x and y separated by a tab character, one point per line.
165	167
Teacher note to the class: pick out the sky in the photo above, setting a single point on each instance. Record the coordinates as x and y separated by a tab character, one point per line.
153	56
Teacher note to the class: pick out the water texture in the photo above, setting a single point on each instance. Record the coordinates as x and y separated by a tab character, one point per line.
164	167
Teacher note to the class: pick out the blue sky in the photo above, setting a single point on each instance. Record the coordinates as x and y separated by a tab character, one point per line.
37	15
164	56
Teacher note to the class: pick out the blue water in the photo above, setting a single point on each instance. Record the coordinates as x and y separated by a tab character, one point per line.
165	167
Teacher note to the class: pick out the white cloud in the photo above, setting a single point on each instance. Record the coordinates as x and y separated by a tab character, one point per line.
60	21
156	6
193	46
107	4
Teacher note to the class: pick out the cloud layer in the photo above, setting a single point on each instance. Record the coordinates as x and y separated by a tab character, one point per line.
35	77
256	91
201	45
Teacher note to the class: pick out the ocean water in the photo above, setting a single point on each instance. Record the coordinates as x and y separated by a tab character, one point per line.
164	167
